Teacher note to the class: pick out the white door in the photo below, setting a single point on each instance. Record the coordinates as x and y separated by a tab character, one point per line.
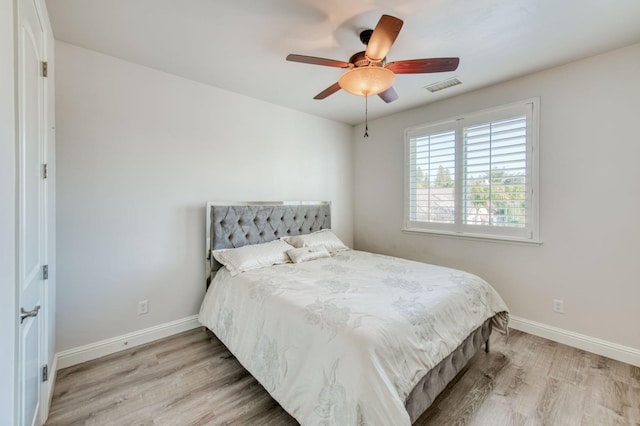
31	204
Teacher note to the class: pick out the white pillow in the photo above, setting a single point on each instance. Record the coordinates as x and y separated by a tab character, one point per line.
254	256
305	254
323	239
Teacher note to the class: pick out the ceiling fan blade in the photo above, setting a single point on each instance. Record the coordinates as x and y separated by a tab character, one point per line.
389	95
328	91
383	36
420	66
317	61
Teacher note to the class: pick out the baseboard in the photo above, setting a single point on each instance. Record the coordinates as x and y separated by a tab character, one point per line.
106	347
109	346
576	340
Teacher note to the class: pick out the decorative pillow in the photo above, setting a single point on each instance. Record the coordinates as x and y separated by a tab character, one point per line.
323	239
305	254
254	256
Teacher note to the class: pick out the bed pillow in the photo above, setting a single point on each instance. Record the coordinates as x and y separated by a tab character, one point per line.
254	256
305	254
323	239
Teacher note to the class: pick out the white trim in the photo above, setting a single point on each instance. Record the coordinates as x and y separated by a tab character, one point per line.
580	341
476	237
115	344
106	347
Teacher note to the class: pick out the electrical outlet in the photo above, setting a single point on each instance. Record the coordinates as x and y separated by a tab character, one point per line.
558	306
143	307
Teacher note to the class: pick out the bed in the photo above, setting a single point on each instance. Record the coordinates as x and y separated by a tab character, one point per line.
349	338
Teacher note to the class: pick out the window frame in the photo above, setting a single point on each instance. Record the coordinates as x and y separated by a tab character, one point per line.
530	233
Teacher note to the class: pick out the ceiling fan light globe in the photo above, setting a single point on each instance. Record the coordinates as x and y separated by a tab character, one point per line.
367	81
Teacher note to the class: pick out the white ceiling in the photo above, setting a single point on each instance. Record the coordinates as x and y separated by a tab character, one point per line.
241	45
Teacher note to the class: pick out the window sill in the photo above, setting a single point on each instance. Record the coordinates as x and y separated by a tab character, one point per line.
477	237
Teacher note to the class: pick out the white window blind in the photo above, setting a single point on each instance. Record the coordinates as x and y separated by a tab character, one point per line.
432	177
495	173
475	175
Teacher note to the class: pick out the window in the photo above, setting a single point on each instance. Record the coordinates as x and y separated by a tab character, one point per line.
475	175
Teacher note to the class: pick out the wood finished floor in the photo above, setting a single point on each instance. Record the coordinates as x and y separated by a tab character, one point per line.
192	379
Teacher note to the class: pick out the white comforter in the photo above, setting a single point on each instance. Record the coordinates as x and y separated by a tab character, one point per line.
343	340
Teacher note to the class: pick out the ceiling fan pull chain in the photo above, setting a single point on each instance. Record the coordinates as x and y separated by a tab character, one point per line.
366	116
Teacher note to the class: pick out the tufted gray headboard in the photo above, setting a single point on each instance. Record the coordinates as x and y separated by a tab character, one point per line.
236	224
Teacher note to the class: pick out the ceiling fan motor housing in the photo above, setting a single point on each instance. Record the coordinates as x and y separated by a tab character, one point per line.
365	36
360	60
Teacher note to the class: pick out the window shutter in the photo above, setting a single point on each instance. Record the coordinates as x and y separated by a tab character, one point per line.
495	171
475	175
432	177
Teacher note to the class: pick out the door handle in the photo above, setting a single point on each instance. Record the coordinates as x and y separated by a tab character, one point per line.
26	314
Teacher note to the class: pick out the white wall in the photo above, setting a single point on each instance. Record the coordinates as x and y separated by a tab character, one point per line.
7	214
589	198
139	153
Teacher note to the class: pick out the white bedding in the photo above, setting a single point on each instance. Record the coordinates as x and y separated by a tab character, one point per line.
343	340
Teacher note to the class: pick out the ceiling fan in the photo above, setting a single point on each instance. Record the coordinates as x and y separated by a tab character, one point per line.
369	74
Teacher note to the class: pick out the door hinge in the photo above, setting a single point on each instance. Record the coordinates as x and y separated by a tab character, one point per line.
45	373
45	272
45	69
45	171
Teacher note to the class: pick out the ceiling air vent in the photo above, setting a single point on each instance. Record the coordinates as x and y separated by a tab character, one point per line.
436	87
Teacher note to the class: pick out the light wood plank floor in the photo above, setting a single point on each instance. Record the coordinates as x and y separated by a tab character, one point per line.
192	379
